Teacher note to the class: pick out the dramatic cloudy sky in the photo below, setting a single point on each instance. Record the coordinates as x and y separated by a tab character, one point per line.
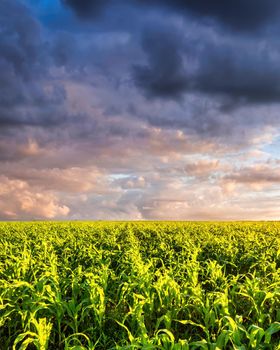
139	109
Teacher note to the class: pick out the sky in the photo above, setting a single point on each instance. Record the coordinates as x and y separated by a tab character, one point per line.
139	110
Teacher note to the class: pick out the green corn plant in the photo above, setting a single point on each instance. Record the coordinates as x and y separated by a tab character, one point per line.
39	337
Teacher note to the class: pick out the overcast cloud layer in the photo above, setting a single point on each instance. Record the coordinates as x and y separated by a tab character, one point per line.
157	109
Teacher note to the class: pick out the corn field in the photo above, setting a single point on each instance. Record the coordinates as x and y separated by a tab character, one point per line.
145	285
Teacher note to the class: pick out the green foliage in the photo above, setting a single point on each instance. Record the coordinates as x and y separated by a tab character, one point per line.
144	285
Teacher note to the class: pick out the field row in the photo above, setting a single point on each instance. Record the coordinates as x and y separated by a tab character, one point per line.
139	285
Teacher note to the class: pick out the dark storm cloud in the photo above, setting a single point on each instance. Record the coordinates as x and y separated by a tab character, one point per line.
251	73
87	8
241	71
26	98
20	39
164	75
240	15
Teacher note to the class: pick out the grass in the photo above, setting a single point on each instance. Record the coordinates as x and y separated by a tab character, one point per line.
139	285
